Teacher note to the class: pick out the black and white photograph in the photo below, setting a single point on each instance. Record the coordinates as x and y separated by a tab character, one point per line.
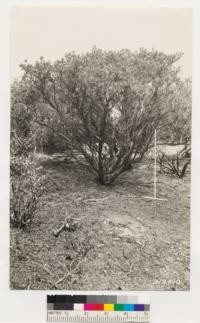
100	148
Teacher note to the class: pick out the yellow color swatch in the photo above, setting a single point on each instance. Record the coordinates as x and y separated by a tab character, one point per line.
108	307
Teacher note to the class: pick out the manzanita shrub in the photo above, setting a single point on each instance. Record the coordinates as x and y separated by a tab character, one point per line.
106	105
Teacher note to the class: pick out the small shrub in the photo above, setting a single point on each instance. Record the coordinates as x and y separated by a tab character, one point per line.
173	165
26	182
27	185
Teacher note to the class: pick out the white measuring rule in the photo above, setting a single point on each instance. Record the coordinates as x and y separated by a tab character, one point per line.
95	316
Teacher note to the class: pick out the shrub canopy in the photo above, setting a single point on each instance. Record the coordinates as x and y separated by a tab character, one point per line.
105	104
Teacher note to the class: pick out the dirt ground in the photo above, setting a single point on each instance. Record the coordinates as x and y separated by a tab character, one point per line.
122	241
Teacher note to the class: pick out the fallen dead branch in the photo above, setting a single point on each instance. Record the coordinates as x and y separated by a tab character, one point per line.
73	267
64	227
61	280
96	200
69	225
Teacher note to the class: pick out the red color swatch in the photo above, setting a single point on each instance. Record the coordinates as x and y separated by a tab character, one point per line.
93	307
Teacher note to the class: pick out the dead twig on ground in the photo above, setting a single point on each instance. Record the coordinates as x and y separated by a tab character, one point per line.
74	265
69	225
96	200
64	227
61	280
47	270
140	243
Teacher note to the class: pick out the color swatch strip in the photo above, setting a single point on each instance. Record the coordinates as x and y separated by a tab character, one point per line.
98	307
94	299
97	303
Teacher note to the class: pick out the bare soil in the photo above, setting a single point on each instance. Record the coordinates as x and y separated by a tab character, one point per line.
122	241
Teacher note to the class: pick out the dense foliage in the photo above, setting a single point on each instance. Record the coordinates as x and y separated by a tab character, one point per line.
106	105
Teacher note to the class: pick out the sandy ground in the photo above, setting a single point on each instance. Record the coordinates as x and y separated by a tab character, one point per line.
122	241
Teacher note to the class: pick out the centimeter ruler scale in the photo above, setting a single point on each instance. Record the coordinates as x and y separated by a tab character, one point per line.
98	308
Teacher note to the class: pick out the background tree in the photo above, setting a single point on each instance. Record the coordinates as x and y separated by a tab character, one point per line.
104	104
177	130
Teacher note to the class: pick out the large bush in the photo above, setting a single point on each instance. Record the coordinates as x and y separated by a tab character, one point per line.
105	104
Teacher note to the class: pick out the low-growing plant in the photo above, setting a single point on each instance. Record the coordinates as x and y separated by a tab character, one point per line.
26	183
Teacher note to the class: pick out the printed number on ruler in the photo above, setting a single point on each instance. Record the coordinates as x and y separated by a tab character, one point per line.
65	316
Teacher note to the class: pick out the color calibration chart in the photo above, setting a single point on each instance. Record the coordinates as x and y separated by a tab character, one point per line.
98	308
